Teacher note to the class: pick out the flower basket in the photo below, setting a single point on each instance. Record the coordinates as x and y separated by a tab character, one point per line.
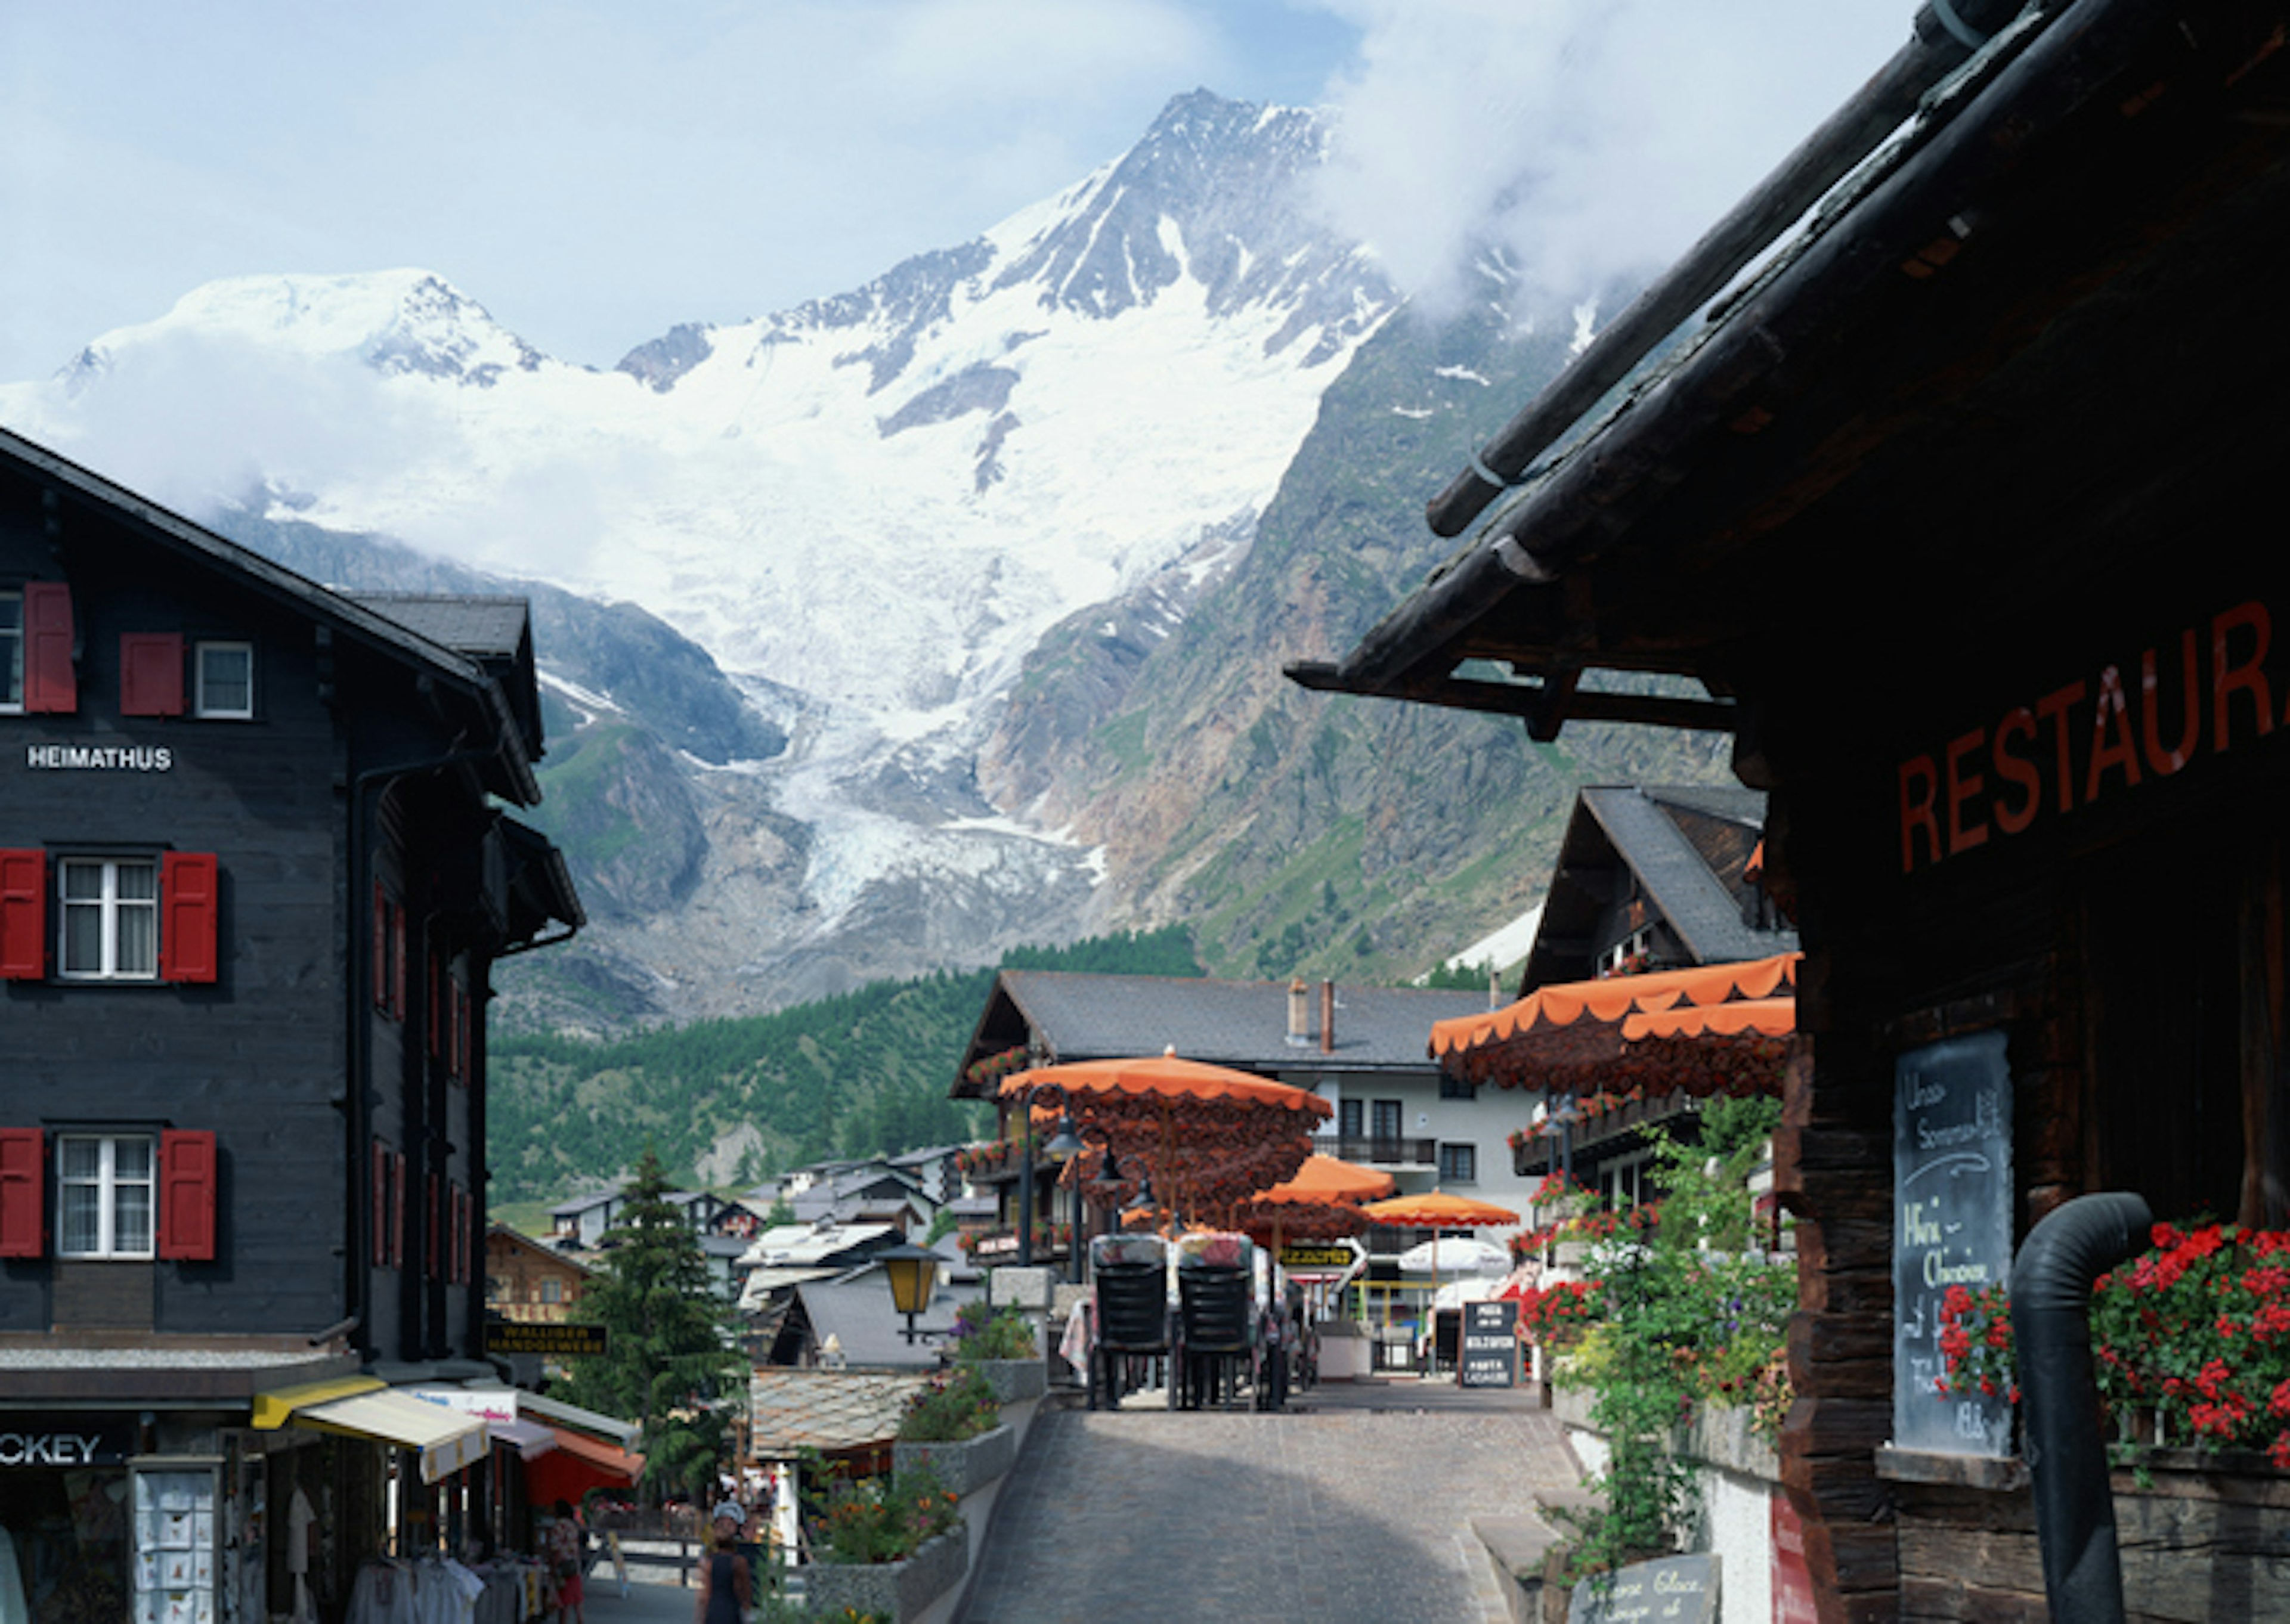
899	1590
964	1467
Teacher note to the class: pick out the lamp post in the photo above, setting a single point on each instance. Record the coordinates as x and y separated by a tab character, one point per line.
912	1271
1063	1145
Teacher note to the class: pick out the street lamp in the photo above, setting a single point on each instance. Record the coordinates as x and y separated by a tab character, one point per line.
1064	1145
912	1271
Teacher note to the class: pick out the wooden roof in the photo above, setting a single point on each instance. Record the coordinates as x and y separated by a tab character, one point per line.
2020	326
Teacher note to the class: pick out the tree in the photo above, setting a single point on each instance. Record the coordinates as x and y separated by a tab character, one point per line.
671	1364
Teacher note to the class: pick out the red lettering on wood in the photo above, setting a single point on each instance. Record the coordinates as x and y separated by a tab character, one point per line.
2113	714
2017	770
2229	676
1917	810
2054	708
2190	709
1962	787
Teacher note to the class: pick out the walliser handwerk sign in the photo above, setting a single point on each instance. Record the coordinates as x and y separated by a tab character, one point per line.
549	1341
2093	738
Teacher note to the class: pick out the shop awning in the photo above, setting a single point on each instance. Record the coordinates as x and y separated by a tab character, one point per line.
576	1465
445	1439
557	1413
529	1439
275	1408
1582	1037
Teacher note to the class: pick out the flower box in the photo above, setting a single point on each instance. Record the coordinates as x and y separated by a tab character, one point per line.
1015	1381
899	1590
965	1467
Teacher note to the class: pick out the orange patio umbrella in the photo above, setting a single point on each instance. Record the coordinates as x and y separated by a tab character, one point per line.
1438	1211
1212	1136
1322	1203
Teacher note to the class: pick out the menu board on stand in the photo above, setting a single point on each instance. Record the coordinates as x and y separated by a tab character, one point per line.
1951	1225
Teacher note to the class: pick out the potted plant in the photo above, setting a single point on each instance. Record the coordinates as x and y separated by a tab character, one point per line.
1004	1345
887	1548
953	1428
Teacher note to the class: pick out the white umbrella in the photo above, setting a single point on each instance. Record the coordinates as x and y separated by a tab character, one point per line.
1451	1256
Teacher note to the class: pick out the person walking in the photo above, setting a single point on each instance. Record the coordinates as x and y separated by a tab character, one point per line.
726	1588
565	1539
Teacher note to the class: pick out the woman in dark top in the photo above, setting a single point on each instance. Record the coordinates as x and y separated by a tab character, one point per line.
724	1586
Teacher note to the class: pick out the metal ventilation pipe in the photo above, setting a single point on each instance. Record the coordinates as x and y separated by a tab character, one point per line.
2051	1316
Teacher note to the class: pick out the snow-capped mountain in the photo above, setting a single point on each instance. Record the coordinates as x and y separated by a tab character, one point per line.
870	511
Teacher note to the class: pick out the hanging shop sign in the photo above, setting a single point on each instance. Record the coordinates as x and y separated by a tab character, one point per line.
549	1341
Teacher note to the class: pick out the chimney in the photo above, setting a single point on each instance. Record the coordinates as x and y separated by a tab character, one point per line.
1327	1018
1300	1033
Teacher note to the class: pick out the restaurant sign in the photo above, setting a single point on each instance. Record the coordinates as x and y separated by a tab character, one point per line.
511	1337
1341	1255
1490	1345
2095	738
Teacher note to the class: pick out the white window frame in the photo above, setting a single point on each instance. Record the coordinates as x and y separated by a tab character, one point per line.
12	657
108	905
200	706
109	1185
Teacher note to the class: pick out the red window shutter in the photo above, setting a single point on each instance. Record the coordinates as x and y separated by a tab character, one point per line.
23	915
187	1196
51	680
150	673
189	901
23	1193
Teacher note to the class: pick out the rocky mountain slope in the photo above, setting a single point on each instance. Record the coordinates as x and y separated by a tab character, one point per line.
938	618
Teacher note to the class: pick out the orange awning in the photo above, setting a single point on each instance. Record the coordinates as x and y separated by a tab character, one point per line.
578	1464
1767	1017
1609	1000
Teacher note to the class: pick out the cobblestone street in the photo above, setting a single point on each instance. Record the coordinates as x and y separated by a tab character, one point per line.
1355	1505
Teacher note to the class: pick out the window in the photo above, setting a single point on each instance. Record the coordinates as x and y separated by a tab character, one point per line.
1457	1088
110	918
1384	1121
1458	1164
1347	1119
552	1291
104	1187
226	681
12	651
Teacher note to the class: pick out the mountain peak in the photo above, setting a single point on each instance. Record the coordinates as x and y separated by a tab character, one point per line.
406	320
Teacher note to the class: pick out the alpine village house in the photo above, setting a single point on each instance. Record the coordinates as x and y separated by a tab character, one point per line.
253	878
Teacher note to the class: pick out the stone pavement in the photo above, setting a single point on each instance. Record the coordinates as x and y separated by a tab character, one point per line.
1354	1505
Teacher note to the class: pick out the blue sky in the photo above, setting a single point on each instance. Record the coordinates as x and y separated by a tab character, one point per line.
595	171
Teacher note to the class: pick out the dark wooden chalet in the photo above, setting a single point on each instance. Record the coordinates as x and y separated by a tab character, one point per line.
1649	878
255	873
1961	511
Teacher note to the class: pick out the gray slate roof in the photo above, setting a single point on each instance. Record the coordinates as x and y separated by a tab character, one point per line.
1704	912
1241	1024
480	627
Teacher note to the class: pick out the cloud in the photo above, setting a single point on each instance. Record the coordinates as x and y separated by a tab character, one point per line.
1592	139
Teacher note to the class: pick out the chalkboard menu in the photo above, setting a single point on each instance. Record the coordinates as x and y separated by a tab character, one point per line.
1490	1345
1951	1225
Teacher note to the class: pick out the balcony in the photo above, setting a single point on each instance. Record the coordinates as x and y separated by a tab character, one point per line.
1374	1152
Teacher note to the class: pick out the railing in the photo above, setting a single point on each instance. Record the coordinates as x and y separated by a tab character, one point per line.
1376	1152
